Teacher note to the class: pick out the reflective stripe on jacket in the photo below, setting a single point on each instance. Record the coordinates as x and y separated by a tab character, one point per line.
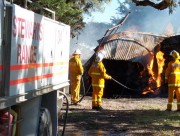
98	73
172	73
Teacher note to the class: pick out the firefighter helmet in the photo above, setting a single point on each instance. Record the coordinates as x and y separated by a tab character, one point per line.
102	52
100	56
174	54
77	52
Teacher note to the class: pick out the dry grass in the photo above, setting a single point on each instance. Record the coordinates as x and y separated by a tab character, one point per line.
123	116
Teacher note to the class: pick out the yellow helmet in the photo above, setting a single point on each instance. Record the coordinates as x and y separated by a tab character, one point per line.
174	54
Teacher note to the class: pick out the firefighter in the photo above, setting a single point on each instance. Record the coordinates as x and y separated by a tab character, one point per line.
97	72
75	73
172	77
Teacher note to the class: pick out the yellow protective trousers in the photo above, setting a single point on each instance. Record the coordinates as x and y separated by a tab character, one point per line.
75	89
172	90
97	96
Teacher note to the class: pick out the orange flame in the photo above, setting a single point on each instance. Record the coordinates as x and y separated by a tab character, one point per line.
160	62
155	80
148	91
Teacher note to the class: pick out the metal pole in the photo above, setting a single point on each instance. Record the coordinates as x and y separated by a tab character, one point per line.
53	12
110	30
25	4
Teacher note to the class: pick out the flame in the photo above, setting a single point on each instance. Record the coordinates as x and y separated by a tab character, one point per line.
155	79
150	66
148	91
160	62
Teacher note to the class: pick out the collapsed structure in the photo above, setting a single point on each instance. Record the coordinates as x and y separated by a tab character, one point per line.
137	60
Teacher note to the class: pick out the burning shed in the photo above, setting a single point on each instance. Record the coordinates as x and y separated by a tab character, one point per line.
136	60
132	46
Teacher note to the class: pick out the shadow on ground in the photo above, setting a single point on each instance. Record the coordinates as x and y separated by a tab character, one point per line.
121	122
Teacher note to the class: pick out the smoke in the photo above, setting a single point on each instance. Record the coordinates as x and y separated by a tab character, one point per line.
158	21
87	40
142	19
86	51
149	19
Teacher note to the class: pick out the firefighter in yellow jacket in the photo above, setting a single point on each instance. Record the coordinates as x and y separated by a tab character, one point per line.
97	72
172	77
75	72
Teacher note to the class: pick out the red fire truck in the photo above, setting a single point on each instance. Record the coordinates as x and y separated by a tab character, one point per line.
33	71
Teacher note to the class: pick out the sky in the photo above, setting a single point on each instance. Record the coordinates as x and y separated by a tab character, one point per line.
110	10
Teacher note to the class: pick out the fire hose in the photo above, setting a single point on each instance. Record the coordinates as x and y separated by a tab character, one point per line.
123	85
85	93
66	115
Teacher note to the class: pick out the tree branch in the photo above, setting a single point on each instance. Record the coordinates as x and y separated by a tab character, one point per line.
161	6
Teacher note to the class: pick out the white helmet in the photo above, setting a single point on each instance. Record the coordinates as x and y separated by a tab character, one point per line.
100	56
77	52
102	52
174	54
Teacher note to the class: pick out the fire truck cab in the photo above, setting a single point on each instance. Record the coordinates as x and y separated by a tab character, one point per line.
33	71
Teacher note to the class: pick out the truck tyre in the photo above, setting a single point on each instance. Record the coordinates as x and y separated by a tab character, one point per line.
45	123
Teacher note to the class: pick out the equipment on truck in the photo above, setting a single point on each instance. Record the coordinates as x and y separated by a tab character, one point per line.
34	66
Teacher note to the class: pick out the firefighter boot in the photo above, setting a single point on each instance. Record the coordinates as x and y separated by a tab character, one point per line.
94	108
169	107
178	107
99	108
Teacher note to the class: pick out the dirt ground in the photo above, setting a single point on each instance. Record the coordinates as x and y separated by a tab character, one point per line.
121	117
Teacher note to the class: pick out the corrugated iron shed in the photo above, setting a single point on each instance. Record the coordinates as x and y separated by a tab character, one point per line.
133	46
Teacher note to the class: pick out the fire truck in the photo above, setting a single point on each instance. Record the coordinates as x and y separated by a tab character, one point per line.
33	71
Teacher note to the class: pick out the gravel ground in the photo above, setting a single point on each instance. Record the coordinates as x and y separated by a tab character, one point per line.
122	116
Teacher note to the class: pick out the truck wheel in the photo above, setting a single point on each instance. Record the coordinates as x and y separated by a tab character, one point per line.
45	123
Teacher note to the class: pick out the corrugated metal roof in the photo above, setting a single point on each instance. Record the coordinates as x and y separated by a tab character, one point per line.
133	46
130	45
124	49
137	36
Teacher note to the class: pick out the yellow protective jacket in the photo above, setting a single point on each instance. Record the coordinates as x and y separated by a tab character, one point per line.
75	67
98	73
172	73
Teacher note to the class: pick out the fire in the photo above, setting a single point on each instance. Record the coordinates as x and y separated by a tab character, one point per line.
160	62
148	91
155	80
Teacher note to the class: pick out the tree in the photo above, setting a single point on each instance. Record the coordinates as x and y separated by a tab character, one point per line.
67	11
161	6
